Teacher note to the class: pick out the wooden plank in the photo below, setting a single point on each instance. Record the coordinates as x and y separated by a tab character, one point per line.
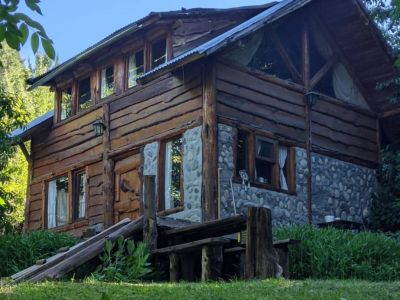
150	209
209	140
191	246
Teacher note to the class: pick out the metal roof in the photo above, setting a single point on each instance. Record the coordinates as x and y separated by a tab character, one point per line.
270	15
32	126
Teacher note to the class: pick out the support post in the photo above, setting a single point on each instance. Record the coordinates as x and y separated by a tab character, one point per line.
211	262
108	171
150	218
28	158
209	139
260	253
173	267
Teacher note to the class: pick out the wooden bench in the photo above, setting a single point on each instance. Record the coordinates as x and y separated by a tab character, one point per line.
182	265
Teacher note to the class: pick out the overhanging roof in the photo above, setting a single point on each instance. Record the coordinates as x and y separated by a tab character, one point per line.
34	126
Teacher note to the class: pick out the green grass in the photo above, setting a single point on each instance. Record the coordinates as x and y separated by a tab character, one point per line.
264	289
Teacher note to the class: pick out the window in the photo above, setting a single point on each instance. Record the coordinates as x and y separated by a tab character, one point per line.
158	53
66	103
80	196
59	199
57	204
135	67
84	97
173	174
265	161
107	82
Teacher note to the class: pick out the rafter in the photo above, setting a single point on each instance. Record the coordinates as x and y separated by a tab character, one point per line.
323	71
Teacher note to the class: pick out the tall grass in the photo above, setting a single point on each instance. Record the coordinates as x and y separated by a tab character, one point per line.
19	251
330	253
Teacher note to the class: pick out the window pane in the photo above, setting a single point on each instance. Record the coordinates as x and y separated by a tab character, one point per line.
66	103
264	171
84	94
173	170
80	196
241	152
57	202
265	149
107	81
159	53
135	68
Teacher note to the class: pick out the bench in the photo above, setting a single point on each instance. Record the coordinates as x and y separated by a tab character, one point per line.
181	265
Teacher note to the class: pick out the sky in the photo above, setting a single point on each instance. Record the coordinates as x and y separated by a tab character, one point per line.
74	25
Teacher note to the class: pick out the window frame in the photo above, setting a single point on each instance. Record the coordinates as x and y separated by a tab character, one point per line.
72	193
161	179
127	57
251	156
91	100
99	71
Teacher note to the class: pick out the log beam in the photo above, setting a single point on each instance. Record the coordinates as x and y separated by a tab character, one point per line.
150	210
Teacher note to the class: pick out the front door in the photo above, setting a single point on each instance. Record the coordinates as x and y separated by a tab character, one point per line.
127	188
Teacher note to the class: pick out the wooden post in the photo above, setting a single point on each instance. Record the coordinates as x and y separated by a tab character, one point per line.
150	218
307	85
209	139
28	186
173	267
211	262
260	254
108	171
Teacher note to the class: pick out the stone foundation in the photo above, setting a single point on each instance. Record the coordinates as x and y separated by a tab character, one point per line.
339	188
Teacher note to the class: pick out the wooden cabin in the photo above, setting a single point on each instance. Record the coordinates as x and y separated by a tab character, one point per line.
273	105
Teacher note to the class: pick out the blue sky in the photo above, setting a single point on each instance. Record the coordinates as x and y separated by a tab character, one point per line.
74	25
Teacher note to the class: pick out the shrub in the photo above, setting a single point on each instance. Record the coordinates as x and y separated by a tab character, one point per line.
20	251
123	261
330	253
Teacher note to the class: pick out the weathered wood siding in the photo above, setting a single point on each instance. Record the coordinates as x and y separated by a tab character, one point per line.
138	116
337	129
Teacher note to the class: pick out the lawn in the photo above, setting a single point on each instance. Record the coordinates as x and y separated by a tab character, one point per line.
265	289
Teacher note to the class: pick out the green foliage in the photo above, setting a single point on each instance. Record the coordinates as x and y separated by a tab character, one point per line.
386	199
15	26
123	261
337	254
19	251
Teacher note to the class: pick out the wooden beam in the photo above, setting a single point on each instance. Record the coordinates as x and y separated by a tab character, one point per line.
389	113
150	210
322	72
285	56
25	151
209	140
108	171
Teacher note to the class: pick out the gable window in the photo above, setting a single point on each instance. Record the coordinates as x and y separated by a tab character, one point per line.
107	82
158	53
265	161
61	198
66	103
84	95
135	67
172	181
57	202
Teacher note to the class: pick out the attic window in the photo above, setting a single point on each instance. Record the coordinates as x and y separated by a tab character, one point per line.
66	103
84	100
135	67
107	82
158	53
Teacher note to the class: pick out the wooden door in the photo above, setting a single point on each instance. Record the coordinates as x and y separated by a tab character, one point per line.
127	188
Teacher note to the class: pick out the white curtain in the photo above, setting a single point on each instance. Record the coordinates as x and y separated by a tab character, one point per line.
82	198
168	176
283	153
245	51
62	207
132	71
51	204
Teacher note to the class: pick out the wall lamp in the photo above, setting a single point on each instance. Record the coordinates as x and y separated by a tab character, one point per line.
311	98
98	126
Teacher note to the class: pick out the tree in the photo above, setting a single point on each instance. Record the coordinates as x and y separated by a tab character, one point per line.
15	27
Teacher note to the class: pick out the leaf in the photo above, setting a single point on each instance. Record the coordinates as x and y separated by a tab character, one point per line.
33	6
25	33
48	48
2	33
13	40
35	42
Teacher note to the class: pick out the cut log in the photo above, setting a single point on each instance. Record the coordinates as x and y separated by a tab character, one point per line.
150	210
72	262
211	262
51	261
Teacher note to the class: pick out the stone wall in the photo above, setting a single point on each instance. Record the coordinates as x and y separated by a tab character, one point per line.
192	172
339	188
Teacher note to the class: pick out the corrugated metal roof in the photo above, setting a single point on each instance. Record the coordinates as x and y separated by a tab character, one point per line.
268	16
30	127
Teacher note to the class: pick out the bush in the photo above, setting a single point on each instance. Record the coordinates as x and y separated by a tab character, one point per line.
123	261
330	253
20	251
